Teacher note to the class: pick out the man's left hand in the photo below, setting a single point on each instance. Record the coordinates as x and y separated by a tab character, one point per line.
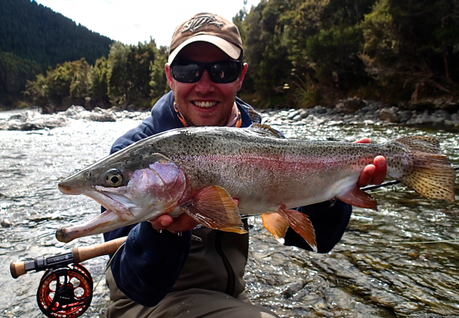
373	173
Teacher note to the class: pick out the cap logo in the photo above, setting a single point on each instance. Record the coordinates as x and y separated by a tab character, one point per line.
200	21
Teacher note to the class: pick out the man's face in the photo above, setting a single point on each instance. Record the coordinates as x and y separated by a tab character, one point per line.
204	103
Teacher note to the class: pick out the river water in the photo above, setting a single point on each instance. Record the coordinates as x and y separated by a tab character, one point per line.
400	261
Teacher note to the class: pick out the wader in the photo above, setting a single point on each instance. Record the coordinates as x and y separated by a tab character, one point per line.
211	283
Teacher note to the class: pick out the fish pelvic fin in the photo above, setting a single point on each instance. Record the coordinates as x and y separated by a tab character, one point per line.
214	208
275	224
432	174
301	224
357	197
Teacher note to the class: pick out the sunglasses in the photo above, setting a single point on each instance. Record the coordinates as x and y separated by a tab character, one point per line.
219	72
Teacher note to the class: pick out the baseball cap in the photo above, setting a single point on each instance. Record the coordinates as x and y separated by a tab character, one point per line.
207	27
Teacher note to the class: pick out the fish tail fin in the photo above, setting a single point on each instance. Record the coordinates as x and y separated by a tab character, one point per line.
432	174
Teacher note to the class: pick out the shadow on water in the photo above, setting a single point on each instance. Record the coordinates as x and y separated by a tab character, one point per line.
399	261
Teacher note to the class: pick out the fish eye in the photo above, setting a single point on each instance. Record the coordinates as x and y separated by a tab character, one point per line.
113	177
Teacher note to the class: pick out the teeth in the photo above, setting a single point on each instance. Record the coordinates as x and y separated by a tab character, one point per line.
205	104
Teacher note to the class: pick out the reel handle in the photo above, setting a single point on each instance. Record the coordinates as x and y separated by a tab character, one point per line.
78	254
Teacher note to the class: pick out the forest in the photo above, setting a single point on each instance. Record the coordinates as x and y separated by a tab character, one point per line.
34	38
301	53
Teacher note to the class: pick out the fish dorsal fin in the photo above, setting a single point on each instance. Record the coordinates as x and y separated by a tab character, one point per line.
265	130
421	144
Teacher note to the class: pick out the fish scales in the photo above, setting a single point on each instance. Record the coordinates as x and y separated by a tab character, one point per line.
199	170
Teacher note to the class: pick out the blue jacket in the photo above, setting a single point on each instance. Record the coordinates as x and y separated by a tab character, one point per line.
152	264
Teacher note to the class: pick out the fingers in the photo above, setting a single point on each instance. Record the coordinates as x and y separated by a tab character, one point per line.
380	172
366	175
363	141
177	225
373	173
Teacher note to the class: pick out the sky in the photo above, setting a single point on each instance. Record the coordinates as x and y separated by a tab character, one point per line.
134	21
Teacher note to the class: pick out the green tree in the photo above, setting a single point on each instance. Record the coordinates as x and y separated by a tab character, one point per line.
130	72
411	46
118	78
158	81
80	86
14	74
266	49
99	83
38	91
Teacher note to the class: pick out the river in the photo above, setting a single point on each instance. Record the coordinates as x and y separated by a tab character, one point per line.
399	261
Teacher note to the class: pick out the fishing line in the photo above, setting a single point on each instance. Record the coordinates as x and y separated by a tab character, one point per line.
108	264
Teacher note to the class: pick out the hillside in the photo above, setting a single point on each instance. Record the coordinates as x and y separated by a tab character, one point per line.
34	32
33	38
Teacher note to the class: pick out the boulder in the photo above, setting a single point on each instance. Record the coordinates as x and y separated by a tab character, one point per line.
389	114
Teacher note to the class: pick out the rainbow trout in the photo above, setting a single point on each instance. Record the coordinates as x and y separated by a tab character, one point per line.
199	170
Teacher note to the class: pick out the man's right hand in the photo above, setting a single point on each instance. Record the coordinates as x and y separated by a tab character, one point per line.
180	224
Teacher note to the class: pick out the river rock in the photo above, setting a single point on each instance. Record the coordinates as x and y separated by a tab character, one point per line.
389	114
349	105
293	288
33	120
438	117
98	114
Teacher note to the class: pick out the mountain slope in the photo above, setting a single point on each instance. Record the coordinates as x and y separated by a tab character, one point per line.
34	32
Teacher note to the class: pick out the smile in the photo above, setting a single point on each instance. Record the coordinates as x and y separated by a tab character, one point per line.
205	104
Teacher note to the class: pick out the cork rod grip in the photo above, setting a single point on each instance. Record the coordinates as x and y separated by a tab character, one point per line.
17	269
81	254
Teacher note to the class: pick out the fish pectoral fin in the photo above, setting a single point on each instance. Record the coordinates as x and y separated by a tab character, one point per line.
214	208
301	224
158	157
275	224
357	197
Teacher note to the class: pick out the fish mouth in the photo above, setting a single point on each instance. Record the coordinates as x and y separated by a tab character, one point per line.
65	189
113	202
117	213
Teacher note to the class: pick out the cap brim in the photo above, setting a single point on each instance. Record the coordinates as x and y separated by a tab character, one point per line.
229	48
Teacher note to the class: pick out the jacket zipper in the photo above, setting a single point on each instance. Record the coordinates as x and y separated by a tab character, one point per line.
231	281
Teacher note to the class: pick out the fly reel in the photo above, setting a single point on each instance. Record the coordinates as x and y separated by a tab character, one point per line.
65	292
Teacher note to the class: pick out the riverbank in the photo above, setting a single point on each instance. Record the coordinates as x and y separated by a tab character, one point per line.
346	112
357	111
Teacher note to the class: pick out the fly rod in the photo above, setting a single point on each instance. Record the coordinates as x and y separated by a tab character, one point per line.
77	255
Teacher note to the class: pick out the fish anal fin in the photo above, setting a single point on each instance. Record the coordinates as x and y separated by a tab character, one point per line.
214	208
301	224
357	197
275	224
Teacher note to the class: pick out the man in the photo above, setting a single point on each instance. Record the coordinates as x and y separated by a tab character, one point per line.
199	272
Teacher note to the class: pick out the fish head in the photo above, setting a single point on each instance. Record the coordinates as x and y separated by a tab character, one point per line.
131	190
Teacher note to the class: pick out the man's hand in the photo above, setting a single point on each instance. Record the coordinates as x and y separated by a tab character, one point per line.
374	173
182	223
